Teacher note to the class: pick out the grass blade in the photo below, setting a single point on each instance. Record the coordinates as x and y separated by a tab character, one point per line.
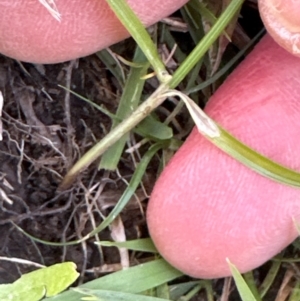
256	161
206	42
235	148
269	279
112	65
143	245
132	280
123	11
105	295
295	295
141	36
129	101
130	190
244	290
128	193
97	150
251	282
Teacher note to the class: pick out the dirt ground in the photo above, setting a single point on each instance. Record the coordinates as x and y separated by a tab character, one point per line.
45	130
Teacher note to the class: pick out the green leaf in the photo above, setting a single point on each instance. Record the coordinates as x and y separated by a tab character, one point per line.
153	128
132	280
35	285
143	245
17	291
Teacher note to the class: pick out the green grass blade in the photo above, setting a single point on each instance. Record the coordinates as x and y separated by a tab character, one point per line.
142	245
106	295
226	68
123	11
129	101
235	148
269	279
141	36
206	42
192	16
244	290
295	295
256	161
167	38
193	292
128	193
97	150
162	291
149	127
45	242
114	67
130	190
251	282
132	280
180	289
209	290
100	108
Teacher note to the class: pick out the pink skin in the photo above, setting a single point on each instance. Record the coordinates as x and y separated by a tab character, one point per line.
207	207
281	18
28	32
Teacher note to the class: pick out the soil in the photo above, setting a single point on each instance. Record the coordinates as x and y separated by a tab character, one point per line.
45	130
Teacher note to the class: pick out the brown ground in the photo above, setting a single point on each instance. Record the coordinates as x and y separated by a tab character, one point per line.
45	130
